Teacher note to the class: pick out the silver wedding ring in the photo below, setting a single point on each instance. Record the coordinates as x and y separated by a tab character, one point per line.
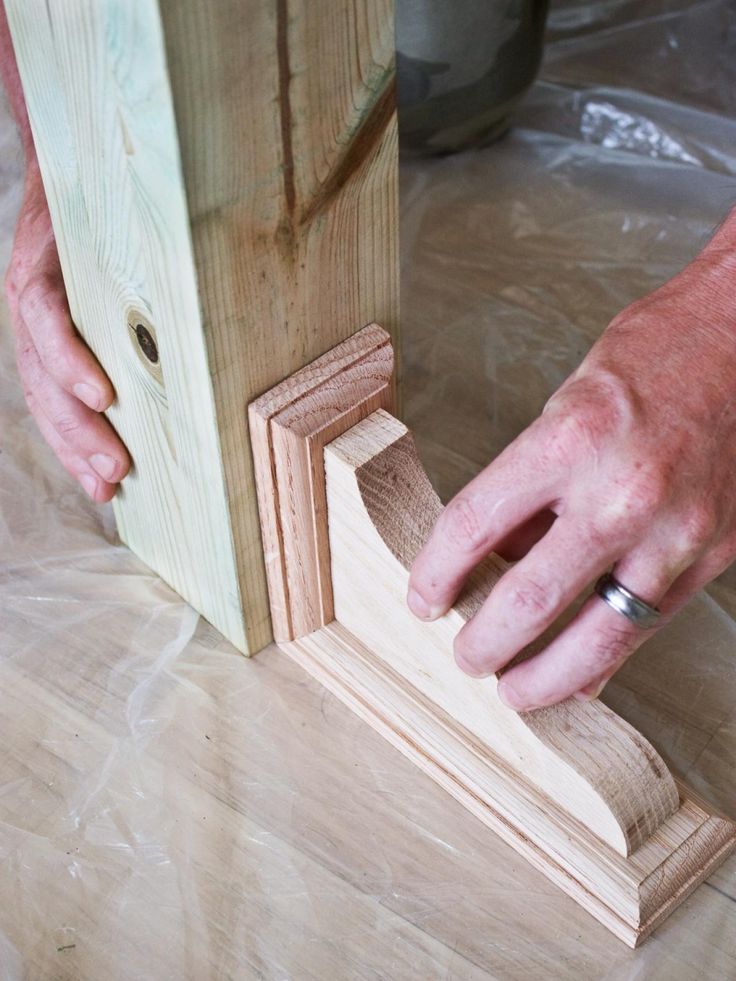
623	601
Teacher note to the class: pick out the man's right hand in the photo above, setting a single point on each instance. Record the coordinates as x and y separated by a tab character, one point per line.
65	388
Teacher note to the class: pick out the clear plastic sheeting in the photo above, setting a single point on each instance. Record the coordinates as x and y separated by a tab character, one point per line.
169	809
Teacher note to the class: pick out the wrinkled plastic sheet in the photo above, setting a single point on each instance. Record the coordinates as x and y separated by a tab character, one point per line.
171	810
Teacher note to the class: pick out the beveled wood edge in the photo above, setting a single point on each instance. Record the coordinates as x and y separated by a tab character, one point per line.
639	912
287	450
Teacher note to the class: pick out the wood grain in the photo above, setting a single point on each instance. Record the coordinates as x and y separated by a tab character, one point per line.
574	788
630	896
290	426
381	508
224	173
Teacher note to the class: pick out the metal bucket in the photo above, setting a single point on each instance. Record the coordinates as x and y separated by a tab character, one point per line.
462	65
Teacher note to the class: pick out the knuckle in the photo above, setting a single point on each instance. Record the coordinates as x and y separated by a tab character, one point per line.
577	433
638	496
36	297
29	396
462	525
532	600
649	494
611	645
565	439
598	535
66	425
28	302
25	356
698	528
11	283
584	414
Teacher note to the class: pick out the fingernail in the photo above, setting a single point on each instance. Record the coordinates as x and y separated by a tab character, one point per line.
471	669
104	465
89	483
421	608
88	394
512	699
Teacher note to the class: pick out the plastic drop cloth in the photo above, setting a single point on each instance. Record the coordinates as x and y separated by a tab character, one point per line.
171	810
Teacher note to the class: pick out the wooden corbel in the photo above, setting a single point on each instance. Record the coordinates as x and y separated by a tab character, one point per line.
345	506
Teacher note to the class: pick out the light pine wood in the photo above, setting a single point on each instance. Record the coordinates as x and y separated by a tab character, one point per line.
291	425
224	176
381	509
630	896
573	788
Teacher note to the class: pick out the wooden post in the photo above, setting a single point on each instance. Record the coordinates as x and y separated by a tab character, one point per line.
222	179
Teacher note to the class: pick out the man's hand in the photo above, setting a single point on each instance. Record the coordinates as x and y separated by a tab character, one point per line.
632	465
65	387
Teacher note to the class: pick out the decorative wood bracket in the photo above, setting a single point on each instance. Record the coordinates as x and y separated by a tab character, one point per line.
345	505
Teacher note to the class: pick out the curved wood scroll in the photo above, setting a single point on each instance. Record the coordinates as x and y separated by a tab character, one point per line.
573	788
381	509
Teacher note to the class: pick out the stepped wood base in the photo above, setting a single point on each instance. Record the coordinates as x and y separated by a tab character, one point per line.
345	506
630	896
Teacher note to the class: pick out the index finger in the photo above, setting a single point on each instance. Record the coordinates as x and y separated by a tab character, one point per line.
512	489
